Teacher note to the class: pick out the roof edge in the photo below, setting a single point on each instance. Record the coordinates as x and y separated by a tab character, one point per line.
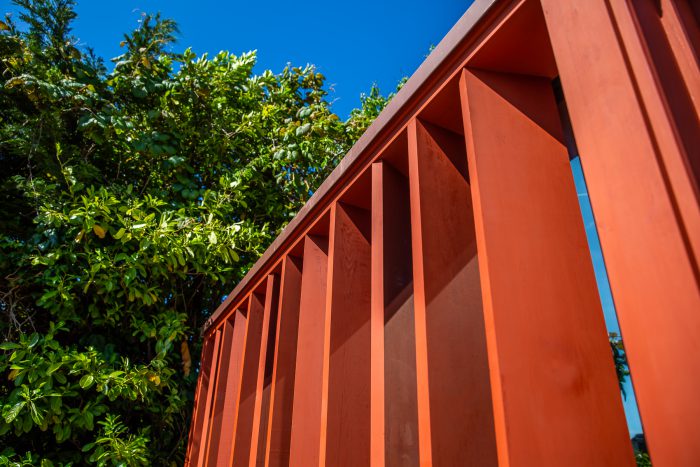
387	119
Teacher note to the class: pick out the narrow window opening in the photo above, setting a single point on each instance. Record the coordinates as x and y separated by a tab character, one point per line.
629	401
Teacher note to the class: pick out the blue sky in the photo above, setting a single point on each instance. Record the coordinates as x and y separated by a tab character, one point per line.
353	43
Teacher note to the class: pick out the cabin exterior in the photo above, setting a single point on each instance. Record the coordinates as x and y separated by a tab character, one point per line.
435	303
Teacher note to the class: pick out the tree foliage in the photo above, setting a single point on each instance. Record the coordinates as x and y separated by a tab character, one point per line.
620	360
130	202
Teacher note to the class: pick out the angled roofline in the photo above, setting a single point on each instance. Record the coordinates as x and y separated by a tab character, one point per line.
436	68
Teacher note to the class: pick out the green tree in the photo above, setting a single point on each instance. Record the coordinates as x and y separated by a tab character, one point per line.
131	201
620	360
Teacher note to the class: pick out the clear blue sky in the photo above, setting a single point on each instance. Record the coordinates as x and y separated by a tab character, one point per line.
353	43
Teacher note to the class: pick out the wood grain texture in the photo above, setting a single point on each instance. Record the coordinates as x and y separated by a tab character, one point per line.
348	412
453	373
554	387
249	382
645	201
282	387
309	395
228	390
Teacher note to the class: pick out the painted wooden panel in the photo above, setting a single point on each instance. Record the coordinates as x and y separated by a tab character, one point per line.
645	201
208	381
309	395
454	400
348	304
228	390
282	388
195	436
249	382
262	399
394	403
555	393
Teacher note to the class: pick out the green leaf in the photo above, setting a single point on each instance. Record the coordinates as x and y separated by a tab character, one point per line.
37	418
119	234
10	346
53	367
86	381
55	403
212	238
27	423
34	340
10	414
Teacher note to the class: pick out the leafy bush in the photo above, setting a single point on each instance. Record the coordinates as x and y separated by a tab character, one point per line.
131	201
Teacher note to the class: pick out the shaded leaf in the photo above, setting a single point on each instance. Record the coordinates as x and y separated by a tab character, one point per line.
99	231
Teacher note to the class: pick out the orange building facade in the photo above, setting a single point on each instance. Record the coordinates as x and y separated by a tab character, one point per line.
435	303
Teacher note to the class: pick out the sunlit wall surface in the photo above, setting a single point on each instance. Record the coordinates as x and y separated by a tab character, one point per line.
446	297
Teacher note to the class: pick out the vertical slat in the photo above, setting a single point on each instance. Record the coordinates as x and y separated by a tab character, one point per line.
195	435
228	390
282	388
645	202
377	406
454	403
249	383
394	410
425	447
261	448
555	394
654	100
348	416
308	384
683	31
209	379
218	388
259	431
654	29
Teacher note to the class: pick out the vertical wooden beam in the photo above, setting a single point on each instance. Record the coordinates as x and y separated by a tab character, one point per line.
661	57
195	435
228	389
454	400
261	448
555	394
377	406
394	429
348	296
282	388
259	431
683	30
645	200
209	379
249	383
309	395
